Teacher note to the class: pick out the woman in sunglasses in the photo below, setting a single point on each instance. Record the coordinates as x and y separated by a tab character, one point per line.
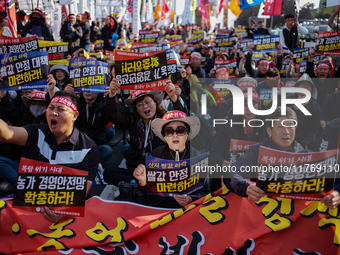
176	130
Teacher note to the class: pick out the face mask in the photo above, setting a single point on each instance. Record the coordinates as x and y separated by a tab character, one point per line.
37	21
37	110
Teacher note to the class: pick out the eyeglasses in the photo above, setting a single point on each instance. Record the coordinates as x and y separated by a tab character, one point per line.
180	131
36	102
146	103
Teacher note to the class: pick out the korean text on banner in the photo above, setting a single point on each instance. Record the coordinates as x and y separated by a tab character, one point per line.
40	184
57	52
141	71
27	70
169	178
88	75
16	45
308	176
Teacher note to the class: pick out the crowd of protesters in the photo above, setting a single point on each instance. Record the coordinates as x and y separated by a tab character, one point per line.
84	125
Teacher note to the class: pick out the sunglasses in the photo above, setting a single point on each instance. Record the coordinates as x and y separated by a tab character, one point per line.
180	131
40	103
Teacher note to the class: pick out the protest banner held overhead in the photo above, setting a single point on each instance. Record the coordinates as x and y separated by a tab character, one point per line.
16	45
300	54
169	178
146	36
267	43
229	64
88	75
143	71
57	52
41	184
308	176
328	43
27	70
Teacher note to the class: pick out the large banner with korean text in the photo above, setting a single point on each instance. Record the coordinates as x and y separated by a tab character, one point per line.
220	223
41	184
308	176
141	71
16	45
169	178
26	70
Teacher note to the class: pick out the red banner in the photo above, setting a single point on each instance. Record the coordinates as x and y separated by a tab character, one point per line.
220	223
273	7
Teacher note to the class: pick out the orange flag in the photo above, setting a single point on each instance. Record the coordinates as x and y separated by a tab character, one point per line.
234	7
157	11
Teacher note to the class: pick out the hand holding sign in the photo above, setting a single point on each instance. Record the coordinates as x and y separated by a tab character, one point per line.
332	200
170	90
51	216
254	193
183	200
140	174
114	87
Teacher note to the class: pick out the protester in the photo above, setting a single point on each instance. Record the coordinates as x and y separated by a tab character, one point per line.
280	138
21	22
94	33
85	41
331	23
111	27
61	75
195	65
4	30
37	26
261	30
71	32
176	132
251	29
59	135
289	35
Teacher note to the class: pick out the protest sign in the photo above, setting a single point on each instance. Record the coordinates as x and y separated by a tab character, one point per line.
99	44
257	55
110	54
285	65
220	49
40	184
195	39
308	176
328	43
230	64
16	45
26	70
190	48
57	51
238	148
222	92
185	61
169	177
88	75
241	33
225	40
175	46
267	43
245	43
151	47
146	36
300	54
143	71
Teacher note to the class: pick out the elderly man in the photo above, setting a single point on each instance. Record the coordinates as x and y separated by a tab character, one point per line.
57	142
195	65
280	138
